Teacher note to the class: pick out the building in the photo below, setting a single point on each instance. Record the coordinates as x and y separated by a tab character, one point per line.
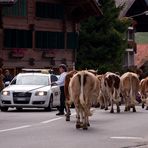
137	11
42	33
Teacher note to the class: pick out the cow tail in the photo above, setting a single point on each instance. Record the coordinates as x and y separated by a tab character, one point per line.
82	100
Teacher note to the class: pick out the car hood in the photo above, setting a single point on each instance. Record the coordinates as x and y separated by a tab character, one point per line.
25	87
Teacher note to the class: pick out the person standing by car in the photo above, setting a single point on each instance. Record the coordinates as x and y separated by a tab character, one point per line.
7	77
1	80
60	82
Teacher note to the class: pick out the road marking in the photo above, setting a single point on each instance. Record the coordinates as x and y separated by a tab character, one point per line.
15	128
51	120
130	138
55	119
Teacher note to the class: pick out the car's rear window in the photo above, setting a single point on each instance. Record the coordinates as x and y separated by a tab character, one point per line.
32	80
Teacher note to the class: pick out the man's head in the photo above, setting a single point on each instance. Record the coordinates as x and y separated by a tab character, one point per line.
62	68
7	72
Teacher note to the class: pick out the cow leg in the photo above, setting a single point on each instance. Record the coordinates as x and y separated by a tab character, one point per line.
106	104
146	102
85	121
118	108
102	107
127	103
78	124
112	96
143	105
67	111
134	109
112	107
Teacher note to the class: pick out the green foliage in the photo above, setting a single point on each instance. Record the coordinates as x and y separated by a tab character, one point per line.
101	40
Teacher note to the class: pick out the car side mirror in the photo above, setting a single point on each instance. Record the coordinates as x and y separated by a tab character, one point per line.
7	83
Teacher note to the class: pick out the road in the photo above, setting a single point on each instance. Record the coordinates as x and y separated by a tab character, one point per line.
40	129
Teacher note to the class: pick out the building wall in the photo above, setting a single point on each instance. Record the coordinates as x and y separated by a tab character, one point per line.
20	57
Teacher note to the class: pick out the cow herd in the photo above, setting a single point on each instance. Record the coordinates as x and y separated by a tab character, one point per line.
86	88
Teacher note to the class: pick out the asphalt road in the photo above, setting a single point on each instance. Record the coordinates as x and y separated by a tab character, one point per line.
39	129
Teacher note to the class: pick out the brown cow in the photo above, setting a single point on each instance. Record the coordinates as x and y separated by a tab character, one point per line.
101	98
144	92
129	89
84	87
66	91
110	90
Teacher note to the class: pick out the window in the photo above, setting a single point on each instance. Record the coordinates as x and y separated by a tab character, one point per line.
14	38
48	10
72	40
18	9
49	40
130	34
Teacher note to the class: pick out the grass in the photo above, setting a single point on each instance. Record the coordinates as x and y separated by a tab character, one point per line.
141	37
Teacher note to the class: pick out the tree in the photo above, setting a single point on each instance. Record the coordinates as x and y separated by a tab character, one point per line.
102	40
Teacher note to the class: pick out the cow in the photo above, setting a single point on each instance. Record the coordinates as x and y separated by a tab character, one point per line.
144	92
83	87
129	89
110	90
100	98
66	91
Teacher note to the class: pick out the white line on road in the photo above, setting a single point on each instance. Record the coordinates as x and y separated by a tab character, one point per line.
55	119
130	138
15	128
51	120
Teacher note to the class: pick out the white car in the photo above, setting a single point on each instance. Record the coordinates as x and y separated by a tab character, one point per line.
31	90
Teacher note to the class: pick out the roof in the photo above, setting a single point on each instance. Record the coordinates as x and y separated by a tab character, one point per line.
81	9
126	6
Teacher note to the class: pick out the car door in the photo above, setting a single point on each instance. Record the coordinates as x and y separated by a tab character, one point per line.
56	91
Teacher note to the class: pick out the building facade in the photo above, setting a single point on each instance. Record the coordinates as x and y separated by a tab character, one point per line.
135	10
42	33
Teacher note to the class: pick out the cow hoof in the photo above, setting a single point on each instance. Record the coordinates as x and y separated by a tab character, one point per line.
85	127
88	124
128	108
118	110
134	110
78	126
142	105
112	111
67	118
125	109
102	107
106	108
147	108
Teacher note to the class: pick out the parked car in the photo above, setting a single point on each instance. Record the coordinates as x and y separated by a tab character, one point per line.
29	90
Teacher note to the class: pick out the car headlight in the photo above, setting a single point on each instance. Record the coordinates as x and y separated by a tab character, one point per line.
41	93
5	93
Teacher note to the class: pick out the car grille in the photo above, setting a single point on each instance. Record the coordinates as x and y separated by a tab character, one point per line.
21	97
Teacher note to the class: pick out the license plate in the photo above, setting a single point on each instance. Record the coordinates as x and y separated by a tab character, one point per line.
21	99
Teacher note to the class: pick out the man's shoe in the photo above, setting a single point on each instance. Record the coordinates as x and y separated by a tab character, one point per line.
58	114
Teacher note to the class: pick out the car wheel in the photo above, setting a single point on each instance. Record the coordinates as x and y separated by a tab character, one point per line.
50	105
19	108
4	109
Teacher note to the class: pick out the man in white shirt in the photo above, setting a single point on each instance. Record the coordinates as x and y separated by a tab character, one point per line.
60	82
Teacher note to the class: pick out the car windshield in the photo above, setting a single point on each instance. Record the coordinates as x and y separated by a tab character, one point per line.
31	80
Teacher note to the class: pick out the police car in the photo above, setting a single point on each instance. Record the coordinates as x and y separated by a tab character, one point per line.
29	90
